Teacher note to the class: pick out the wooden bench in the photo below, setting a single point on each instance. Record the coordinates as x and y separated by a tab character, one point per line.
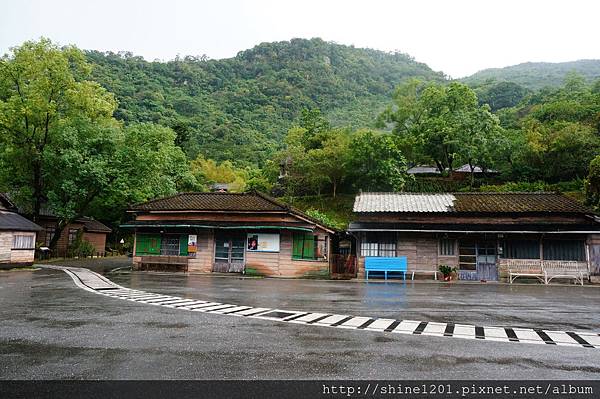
525	268
164	261
380	264
577	271
434	272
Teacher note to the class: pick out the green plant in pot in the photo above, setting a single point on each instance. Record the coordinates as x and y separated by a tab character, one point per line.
447	271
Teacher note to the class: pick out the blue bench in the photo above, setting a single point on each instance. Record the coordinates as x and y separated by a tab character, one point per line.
379	264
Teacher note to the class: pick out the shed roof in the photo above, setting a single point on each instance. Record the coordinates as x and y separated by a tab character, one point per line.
538	202
14	221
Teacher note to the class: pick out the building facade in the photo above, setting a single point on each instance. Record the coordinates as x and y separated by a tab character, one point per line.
478	233
229	232
17	236
88	229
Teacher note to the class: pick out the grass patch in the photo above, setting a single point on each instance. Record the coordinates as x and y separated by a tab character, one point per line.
251	272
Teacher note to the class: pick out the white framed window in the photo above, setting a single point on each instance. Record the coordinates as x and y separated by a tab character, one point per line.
382	245
447	247
23	241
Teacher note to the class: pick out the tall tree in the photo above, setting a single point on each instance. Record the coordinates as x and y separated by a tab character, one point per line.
62	149
44	97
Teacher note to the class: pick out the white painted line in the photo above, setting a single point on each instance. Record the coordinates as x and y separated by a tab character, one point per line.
203	305
176	304
227	311
592	339
354	322
562	338
464	330
210	308
331	319
434	328
406	327
308	318
495	334
380	324
528	335
252	311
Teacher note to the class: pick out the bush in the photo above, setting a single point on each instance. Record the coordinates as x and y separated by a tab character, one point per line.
81	248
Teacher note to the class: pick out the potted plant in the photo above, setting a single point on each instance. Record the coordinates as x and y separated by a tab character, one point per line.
447	271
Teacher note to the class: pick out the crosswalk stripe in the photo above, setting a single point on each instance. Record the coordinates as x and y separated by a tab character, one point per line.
216	307
406	327
380	324
495	334
92	282
545	337
354	322
253	311
309	317
464	330
331	319
204	305
526	335
433	328
580	340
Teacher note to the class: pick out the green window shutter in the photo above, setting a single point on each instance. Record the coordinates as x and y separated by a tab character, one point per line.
308	250
183	245
297	246
141	244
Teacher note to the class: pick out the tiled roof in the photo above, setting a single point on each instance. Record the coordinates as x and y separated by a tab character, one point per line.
93	225
223	202
539	202
14	221
211	202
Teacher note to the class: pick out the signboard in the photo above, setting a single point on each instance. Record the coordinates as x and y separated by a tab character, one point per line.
262	242
192	244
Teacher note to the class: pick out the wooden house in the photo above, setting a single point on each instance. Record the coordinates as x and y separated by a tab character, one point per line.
229	232
17	236
478	233
90	230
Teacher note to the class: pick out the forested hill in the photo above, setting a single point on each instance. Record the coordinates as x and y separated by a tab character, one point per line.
537	75
240	108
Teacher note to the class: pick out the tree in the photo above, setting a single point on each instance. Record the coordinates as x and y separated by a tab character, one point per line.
61	146
443	124
329	164
592	184
43	99
376	162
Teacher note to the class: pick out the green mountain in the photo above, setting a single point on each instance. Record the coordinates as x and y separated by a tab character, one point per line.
536	75
240	108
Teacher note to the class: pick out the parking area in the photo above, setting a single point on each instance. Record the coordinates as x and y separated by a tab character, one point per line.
52	329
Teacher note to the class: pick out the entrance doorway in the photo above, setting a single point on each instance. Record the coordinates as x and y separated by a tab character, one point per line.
229	253
477	260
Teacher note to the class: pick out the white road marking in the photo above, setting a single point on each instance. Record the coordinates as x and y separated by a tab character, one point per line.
380	324
98	284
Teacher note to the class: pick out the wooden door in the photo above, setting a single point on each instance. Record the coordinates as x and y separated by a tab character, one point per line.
486	261
229	253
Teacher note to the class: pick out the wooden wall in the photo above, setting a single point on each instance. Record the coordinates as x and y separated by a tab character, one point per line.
15	256
421	251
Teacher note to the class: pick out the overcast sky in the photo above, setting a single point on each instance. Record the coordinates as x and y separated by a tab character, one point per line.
456	37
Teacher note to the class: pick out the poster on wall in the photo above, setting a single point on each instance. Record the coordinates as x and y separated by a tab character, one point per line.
192	244
263	242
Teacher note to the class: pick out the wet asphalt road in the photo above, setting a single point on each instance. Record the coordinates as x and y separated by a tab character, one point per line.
52	330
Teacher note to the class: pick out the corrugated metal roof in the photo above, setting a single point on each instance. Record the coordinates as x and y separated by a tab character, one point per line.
538	202
403	202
